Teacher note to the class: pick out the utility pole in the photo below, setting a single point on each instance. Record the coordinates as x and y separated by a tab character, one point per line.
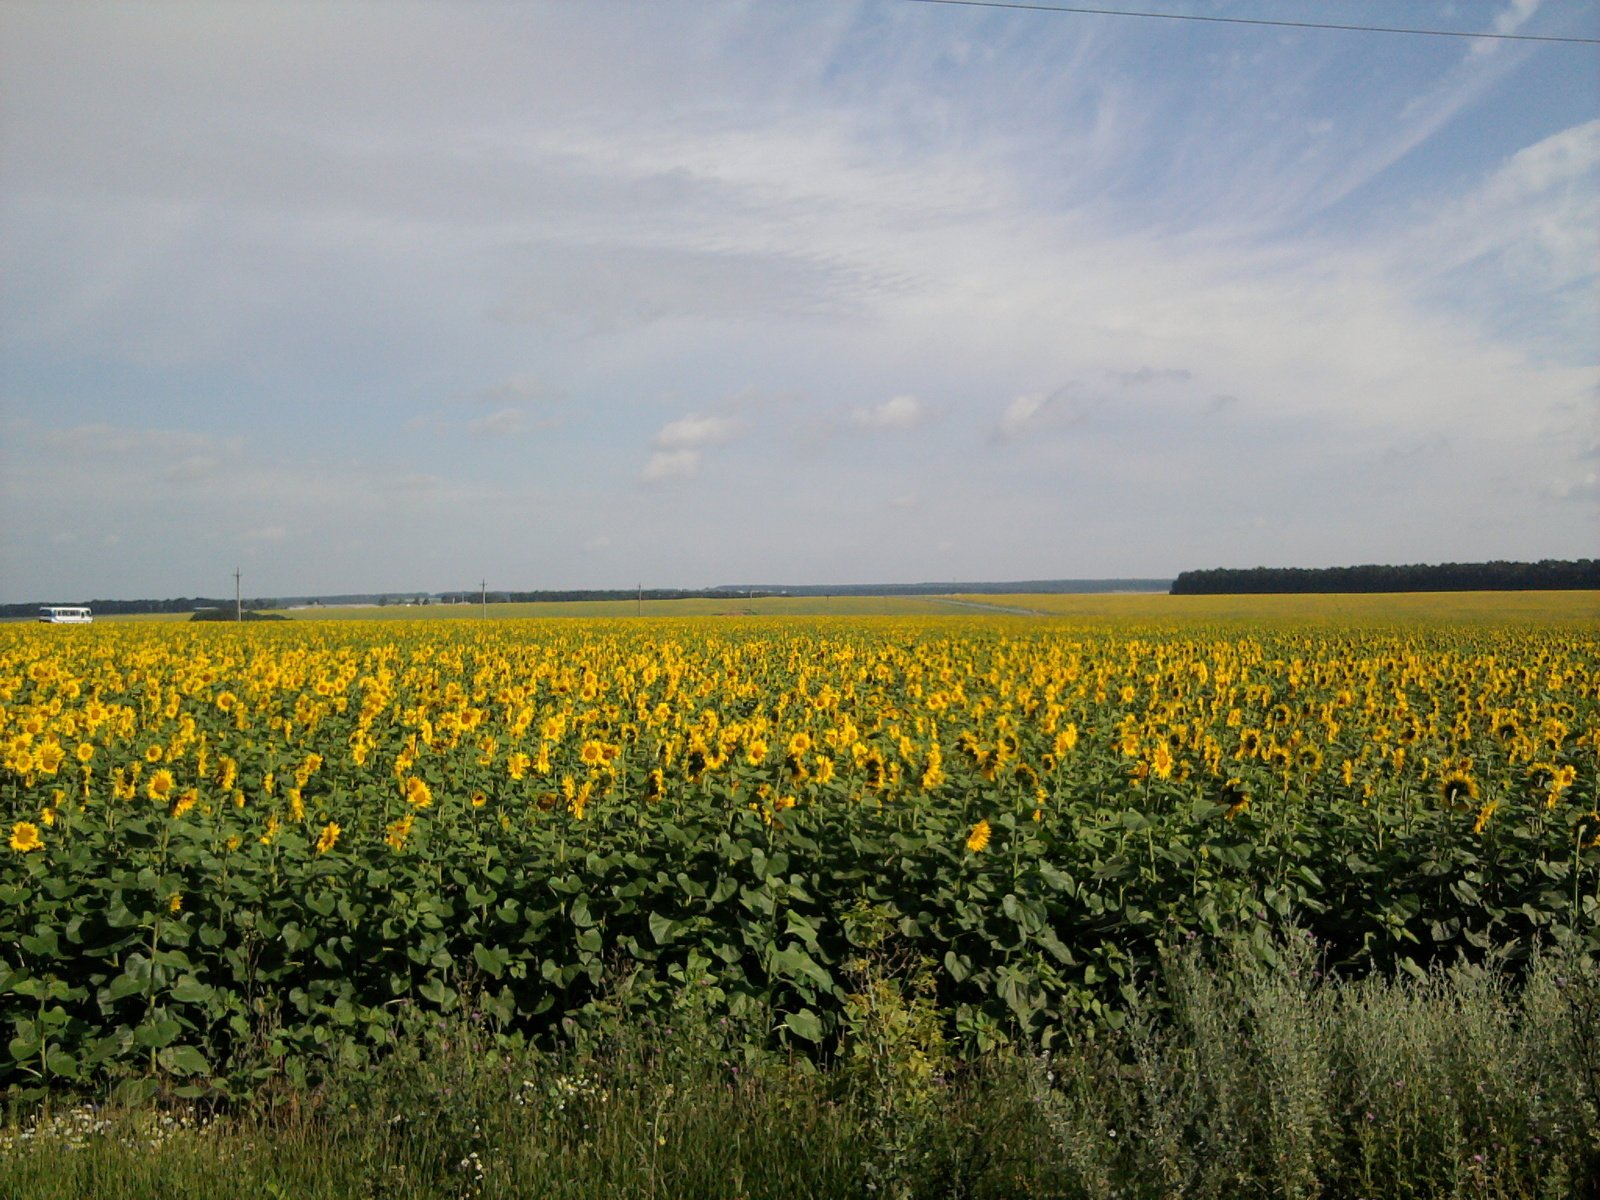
485	586
238	601
639	609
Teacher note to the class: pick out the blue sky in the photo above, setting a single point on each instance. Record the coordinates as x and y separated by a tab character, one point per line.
366	297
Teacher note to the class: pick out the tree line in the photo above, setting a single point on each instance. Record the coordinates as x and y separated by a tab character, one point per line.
1498	576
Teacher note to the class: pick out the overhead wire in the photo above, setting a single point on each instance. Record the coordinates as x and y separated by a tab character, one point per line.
1171	16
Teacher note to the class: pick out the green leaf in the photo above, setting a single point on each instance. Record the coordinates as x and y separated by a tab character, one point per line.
162	1031
662	929
435	991
804	1024
59	1062
794	963
190	991
491	962
184	1060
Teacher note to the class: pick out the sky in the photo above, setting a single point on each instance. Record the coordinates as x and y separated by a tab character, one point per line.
384	297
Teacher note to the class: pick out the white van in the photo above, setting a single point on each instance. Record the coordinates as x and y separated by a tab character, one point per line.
66	616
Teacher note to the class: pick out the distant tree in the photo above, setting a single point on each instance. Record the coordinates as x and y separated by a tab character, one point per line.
1546	575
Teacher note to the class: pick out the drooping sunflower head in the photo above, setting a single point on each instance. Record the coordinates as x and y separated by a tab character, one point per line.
1236	796
1458	788
978	836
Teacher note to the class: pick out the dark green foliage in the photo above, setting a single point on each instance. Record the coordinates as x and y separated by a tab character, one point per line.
1545	575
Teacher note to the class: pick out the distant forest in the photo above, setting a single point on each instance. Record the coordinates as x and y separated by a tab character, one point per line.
1545	576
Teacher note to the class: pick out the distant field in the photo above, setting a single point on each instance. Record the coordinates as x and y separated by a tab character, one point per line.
764	606
1363	609
1580	607
1375	608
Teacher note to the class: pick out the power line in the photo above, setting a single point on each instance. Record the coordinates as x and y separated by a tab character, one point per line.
1167	16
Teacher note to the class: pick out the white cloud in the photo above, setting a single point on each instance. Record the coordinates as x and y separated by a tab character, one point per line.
666	465
694	431
897	412
505	423
1021	413
1537	216
163	448
1507	20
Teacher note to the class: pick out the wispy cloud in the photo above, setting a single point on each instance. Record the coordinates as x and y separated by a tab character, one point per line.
667	465
507	422
789	265
895	413
694	431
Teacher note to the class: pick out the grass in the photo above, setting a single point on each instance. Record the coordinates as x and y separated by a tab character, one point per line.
1242	1078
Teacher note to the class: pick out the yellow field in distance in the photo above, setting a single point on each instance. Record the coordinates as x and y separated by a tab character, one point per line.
1566	607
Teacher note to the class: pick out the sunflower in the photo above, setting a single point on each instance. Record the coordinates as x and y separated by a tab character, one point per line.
418	794
1484	814
1541	774
50	756
329	836
25	837
1235	797
978	836
398	831
160	785
1458	789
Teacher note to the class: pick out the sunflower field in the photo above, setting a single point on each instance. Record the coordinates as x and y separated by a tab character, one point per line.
235	850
